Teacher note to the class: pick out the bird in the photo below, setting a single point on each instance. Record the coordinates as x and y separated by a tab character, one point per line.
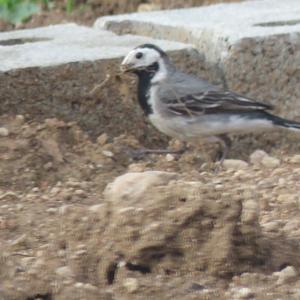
191	109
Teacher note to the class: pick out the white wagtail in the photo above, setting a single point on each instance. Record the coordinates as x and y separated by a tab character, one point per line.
191	109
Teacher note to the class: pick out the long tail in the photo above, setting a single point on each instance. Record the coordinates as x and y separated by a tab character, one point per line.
291	125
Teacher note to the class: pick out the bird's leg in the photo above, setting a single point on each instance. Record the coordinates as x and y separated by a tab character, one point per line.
225	143
141	152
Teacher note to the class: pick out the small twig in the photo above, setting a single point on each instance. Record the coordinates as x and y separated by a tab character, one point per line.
100	85
21	254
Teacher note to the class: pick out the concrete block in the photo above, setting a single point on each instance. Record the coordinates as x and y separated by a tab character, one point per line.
256	44
50	72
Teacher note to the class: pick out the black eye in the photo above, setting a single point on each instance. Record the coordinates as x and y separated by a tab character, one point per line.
139	55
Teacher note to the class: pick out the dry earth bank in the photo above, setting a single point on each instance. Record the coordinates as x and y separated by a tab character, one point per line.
168	228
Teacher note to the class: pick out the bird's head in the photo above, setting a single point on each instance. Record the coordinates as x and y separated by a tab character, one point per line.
145	58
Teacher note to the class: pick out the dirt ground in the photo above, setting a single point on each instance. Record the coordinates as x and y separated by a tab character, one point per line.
62	237
53	227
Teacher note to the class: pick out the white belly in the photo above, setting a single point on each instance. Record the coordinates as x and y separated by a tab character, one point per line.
189	129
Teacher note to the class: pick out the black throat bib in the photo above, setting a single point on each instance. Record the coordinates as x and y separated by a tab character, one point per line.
144	85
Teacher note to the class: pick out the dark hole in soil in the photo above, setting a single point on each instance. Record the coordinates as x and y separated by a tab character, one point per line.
111	272
12	42
283	266
278	23
40	297
140	268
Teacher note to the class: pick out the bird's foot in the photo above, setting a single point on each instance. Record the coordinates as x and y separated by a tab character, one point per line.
140	153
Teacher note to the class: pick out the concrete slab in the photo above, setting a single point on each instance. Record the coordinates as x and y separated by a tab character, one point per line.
51	71
221	24
256	44
61	44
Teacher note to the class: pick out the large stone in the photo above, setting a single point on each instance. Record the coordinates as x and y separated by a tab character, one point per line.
256	44
52	71
171	225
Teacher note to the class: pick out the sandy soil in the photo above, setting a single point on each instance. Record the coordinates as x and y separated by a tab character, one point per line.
52	178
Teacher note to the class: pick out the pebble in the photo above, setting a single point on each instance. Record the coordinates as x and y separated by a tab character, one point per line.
64	209
257	156
287	198
96	208
250	212
20	206
4	132
295	159
90	287
145	7
136	167
54	191
286	275
271	226
9	194
79	285
48	166
80	193
235	164
244	293
102	139
64	272
131	284
107	153
74	184
270	162
170	157
19	241
20	119
52	210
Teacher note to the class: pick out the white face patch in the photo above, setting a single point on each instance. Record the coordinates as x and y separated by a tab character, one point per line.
141	58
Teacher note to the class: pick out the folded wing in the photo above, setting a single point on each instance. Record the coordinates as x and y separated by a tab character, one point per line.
212	102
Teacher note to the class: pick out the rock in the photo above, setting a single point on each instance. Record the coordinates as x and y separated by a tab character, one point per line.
156	221
90	287
250	212
235	164
80	193
131	284
145	7
286	275
132	186
65	272
270	162
136	167
97	208
170	157
79	285
287	198
102	139
244	293
4	132
9	194
257	156
20	119
20	241
295	159
272	226
107	153
52	148
52	210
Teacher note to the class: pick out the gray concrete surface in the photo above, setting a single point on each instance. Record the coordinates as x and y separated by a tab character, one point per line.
51	71
256	44
61	44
